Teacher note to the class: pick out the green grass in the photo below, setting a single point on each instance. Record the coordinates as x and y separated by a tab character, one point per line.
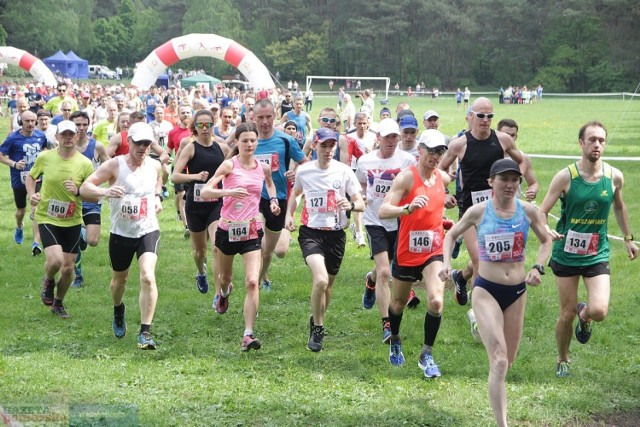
199	376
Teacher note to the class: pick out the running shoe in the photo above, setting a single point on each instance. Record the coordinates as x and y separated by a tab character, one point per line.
48	287
266	285
583	329
316	335
396	358
119	325
369	295
428	365
18	236
145	341
250	343
386	333
222	305
360	240
59	310
165	192
83	238
460	294
456	248
471	317
77	282
35	249
563	369
201	282
413	300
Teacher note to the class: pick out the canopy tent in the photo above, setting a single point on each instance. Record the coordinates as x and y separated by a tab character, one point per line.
77	67
162	80
199	80
70	65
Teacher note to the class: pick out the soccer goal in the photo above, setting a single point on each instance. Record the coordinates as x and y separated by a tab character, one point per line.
383	83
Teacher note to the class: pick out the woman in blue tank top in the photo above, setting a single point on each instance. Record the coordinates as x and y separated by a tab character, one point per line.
499	292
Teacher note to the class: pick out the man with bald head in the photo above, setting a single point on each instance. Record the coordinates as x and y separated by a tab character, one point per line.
476	150
19	151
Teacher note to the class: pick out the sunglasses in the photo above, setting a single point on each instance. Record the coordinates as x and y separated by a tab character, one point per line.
328	120
436	151
66	109
207	125
489	116
144	142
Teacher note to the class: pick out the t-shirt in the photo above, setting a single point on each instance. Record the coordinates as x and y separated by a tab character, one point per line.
19	147
57	205
272	152
103	131
323	189
378	174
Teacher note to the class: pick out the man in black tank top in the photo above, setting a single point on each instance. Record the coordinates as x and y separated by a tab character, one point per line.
476	150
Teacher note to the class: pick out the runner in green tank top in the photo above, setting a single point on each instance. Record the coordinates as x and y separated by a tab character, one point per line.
587	190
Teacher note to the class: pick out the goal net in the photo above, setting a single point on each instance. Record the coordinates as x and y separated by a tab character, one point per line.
380	85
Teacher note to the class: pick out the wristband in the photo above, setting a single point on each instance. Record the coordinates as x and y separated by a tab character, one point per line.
14	165
628	237
273	199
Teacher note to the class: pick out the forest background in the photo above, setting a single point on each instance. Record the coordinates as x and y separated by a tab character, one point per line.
567	46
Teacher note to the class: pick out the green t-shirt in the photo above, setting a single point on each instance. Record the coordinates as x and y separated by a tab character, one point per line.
103	131
584	218
57	205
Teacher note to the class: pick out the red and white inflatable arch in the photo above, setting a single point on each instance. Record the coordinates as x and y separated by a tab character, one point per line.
29	63
193	45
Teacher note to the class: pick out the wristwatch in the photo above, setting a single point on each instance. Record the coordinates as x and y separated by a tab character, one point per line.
540	268
628	237
353	206
406	210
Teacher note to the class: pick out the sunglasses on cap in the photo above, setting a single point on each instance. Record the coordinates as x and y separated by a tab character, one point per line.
144	142
328	120
483	115
207	125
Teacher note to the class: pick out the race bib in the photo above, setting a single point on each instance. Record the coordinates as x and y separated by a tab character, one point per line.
581	243
321	201
241	231
23	176
420	241
134	209
60	209
381	187
480	196
271	159
197	190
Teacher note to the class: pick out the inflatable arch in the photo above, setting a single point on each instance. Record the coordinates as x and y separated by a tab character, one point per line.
29	63
194	45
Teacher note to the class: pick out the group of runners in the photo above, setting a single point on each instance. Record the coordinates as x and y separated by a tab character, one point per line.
242	191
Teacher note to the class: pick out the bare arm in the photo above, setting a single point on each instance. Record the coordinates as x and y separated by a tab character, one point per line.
344	150
211	190
531	179
559	185
399	188
114	144
292	205
101	153
178	176
107	172
621	214
471	217
544	250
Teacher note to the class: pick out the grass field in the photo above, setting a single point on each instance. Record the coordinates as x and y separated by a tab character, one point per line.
75	371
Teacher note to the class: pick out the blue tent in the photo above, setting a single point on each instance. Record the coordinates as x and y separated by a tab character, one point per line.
69	65
77	67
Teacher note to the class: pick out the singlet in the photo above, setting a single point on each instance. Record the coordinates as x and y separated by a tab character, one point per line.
503	239
301	124
204	159
124	144
475	166
584	221
134	215
240	216
323	189
378	175
216	132
285	107
421	234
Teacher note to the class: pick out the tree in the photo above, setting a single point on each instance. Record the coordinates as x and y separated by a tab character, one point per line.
300	56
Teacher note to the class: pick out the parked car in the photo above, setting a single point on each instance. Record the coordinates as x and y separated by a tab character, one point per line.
101	72
241	85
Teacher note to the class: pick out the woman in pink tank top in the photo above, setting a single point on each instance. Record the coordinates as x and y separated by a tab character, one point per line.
240	227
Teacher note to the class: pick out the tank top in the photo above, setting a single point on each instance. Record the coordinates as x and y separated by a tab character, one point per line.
134	215
204	159
124	144
475	167
240	216
584	218
503	239
421	234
